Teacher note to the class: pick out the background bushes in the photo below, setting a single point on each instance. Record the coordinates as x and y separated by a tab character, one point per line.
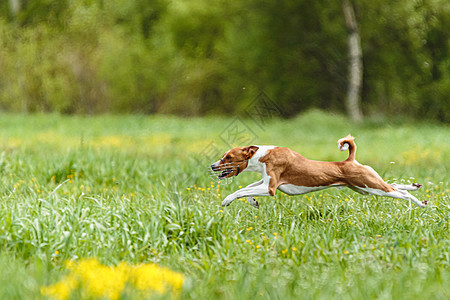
201	57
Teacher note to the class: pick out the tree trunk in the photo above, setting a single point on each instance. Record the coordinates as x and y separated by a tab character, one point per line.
15	7
355	67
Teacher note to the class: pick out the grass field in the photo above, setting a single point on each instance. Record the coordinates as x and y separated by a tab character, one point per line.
133	190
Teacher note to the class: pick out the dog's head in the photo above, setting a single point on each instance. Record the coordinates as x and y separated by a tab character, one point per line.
234	161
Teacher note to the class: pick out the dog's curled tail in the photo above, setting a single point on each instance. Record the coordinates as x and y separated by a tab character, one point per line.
348	143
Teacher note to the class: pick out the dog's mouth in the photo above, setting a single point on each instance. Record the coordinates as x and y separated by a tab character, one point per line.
225	173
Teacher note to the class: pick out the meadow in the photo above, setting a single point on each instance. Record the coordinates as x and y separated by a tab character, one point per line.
126	192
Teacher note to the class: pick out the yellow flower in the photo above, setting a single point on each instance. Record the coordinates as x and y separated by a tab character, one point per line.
100	281
284	251
346	252
294	248
60	290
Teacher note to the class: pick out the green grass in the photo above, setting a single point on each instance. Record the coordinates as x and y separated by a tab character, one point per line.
130	189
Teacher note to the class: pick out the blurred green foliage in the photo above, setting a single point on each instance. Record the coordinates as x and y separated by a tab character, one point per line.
201	57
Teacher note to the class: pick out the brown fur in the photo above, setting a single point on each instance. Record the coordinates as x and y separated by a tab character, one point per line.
238	158
352	146
286	166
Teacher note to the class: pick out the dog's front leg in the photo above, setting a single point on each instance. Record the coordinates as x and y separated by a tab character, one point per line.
259	188
252	200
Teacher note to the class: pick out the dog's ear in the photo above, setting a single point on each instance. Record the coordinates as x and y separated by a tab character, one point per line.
250	151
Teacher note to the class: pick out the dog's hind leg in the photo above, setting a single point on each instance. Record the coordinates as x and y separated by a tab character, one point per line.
398	194
407	187
358	190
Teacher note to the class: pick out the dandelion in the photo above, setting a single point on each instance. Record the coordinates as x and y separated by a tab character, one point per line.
249	229
62	289
294	248
100	281
346	252
284	251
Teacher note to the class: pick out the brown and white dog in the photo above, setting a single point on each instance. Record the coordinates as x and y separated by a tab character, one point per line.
284	169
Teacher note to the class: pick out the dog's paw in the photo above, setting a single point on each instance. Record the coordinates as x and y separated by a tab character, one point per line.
253	202
417	185
227	201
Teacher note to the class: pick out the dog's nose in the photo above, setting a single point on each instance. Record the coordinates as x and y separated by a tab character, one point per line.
215	167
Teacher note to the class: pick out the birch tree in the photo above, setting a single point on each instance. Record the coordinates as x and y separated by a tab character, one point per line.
355	66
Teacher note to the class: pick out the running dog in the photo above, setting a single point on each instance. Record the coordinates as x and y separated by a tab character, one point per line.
286	170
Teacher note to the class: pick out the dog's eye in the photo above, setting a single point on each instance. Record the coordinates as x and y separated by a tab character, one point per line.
228	157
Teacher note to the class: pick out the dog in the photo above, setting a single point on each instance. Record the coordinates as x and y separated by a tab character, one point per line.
288	171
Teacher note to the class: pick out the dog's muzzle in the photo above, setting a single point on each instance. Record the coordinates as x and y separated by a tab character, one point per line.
220	170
